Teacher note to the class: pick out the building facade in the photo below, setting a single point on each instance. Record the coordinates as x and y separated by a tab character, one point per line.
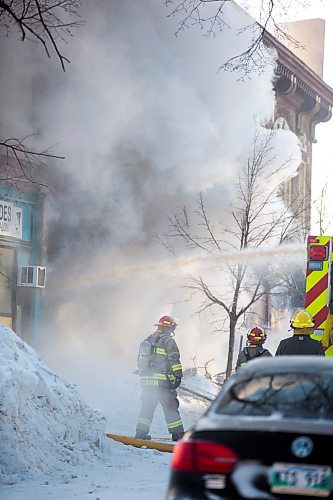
303	100
22	275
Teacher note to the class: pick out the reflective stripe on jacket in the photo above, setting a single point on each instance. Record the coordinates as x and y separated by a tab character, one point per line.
165	364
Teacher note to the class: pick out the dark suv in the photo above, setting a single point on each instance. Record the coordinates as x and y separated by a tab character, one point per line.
268	434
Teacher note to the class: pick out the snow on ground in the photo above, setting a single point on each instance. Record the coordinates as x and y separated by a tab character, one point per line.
195	382
125	472
53	444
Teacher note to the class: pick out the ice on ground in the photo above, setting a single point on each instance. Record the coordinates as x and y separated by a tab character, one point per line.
44	424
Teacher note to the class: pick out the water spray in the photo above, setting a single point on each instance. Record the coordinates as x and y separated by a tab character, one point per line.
189	265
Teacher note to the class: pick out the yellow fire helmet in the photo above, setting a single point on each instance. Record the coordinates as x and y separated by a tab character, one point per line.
301	319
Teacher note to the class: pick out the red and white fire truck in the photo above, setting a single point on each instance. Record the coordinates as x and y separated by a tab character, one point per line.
319	288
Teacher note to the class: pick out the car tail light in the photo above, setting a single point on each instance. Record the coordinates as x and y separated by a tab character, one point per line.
318	252
203	456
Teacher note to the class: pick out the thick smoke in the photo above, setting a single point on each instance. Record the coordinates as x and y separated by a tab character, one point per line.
146	121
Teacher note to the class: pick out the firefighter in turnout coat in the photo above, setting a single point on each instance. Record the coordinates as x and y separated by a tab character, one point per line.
160	381
255	340
301	342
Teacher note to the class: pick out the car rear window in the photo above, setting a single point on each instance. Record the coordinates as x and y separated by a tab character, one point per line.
285	395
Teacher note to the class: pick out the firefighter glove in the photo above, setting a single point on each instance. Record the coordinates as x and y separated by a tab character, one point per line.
177	382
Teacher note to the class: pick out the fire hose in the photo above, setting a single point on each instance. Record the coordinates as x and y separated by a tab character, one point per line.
194	393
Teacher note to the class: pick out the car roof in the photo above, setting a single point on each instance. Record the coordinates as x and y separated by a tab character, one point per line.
284	364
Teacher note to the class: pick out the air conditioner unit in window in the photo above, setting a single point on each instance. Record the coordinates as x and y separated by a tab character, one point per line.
32	276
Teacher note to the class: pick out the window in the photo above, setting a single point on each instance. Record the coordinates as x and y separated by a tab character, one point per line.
286	395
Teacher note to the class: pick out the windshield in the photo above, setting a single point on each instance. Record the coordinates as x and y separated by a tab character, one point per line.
286	395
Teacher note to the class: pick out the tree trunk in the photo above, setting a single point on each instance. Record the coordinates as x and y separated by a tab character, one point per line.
231	346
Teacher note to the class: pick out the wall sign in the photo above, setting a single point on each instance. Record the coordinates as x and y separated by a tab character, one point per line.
10	220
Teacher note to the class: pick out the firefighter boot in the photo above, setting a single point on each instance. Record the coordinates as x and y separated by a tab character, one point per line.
177	436
142	435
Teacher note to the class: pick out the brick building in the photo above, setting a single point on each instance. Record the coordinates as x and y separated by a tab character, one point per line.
303	100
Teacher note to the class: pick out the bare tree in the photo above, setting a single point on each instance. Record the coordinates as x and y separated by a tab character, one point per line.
46	21
259	217
292	278
320	205
209	16
21	164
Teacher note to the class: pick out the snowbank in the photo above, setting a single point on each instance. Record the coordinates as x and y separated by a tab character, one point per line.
196	382
44	425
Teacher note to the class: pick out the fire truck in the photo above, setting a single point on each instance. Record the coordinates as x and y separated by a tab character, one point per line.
319	288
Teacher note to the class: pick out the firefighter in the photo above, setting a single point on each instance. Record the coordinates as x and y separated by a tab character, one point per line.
256	337
301	342
327	339
159	384
329	350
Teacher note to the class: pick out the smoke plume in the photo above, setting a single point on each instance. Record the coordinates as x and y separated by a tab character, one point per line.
146	121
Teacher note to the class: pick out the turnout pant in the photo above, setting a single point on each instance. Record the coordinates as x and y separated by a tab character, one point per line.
167	397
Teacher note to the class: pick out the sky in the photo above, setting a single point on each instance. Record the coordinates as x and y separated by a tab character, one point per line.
322	150
323	153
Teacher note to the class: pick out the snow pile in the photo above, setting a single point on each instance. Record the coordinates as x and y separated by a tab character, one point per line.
44	425
194	381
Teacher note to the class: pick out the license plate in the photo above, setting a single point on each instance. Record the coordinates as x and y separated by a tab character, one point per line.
301	479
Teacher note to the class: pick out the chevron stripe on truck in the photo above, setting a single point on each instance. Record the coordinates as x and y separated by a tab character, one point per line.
318	294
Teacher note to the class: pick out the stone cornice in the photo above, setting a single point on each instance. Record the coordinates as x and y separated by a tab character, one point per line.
305	79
